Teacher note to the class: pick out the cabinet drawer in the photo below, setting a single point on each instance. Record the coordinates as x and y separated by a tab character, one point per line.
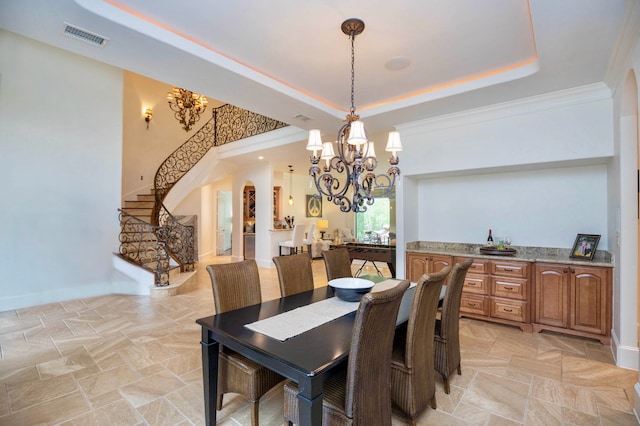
513	310
477	284
479	266
510	269
472	304
511	288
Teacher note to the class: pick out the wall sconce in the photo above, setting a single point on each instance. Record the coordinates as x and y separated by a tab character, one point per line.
148	115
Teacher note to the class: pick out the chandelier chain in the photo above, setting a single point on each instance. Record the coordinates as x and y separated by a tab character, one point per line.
353	73
355	158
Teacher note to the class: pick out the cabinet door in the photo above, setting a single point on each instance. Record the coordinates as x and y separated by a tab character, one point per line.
438	262
416	266
552	295
589	300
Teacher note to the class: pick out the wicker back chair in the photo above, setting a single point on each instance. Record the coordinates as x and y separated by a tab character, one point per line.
360	395
413	384
236	285
447	336
338	263
294	273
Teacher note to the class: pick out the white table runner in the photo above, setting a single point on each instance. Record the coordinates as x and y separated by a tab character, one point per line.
297	321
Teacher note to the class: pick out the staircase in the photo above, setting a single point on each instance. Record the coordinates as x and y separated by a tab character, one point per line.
142	207
150	236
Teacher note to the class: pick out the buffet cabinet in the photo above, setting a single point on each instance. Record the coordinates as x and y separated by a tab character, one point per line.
567	298
419	264
573	299
497	290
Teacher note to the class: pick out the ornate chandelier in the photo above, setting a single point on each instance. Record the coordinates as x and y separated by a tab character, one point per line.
356	156
187	106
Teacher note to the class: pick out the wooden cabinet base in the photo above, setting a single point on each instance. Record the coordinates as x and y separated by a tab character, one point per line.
572	298
526	328
605	340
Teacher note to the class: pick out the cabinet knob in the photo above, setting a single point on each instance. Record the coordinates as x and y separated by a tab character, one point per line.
565	270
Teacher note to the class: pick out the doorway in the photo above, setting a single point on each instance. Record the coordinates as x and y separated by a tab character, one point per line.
224	224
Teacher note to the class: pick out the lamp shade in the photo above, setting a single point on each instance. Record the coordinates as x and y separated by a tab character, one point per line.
327	151
357	134
394	144
371	150
315	141
323	224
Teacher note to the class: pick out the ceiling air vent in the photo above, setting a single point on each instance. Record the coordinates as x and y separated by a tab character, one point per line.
84	35
302	117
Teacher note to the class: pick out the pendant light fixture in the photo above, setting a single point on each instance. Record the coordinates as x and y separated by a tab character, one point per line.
355	157
187	106
290	175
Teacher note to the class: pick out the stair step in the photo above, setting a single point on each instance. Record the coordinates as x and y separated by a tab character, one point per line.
146	197
139	204
137	210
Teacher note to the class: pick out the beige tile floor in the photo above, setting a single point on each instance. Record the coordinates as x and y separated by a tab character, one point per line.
131	360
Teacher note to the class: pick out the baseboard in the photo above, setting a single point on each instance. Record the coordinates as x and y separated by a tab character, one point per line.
625	356
56	295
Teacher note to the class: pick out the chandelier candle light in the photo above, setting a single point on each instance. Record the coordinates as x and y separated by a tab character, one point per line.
187	106
356	154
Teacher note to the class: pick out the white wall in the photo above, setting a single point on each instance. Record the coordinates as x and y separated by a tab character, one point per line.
544	208
534	169
60	164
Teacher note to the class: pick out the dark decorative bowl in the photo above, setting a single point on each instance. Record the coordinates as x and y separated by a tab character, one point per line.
350	289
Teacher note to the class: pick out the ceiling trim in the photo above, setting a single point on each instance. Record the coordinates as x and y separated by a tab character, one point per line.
559	99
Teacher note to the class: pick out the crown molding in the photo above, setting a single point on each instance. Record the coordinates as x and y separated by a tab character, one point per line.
559	99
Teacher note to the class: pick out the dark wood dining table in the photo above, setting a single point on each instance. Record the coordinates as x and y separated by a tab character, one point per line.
307	359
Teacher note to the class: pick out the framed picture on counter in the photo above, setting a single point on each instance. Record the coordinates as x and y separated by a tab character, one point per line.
585	246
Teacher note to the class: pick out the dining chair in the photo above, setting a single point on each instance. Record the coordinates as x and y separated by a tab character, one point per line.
447	336
236	285
308	241
337	262
296	240
295	273
413	384
359	394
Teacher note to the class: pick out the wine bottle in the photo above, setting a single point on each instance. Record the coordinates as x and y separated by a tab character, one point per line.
490	239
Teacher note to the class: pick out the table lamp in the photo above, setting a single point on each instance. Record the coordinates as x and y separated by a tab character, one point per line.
323	224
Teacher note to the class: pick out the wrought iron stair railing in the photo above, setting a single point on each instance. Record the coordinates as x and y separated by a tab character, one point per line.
173	238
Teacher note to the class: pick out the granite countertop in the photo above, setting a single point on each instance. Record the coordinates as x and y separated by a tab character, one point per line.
523	253
280	230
